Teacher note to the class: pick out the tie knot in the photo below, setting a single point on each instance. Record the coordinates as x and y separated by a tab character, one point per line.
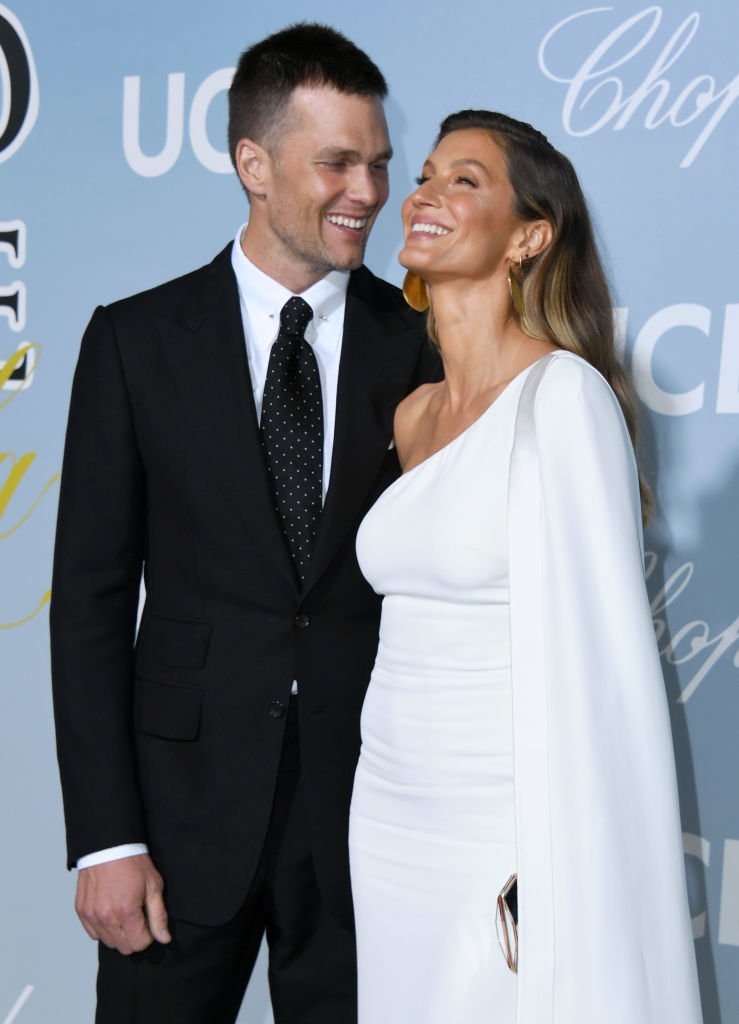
295	316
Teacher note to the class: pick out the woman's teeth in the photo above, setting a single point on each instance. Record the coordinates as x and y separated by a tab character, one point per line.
429	229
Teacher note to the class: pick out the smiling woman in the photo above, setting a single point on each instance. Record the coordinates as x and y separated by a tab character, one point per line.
509	729
495	173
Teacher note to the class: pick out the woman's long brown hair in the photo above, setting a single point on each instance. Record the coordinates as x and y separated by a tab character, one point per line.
566	298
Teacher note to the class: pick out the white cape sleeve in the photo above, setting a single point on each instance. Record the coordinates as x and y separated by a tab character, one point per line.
605	934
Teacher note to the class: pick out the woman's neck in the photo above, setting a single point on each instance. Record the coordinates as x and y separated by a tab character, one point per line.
482	344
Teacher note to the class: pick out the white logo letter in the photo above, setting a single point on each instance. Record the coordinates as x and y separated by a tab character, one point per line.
666	402
210	157
727	399
728	922
153	166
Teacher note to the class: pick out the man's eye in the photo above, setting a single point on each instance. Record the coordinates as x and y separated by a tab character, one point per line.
334	165
382	168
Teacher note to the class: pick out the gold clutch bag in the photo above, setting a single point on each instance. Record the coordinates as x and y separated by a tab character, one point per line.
506	922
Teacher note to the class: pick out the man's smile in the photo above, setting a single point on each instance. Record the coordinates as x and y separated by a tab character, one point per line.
342	221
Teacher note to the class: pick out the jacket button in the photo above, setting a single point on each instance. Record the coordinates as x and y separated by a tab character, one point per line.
302	621
276	709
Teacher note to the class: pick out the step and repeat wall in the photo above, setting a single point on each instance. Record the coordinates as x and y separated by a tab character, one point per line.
114	176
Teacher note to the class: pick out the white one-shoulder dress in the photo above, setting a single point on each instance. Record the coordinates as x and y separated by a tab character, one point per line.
517	640
432	829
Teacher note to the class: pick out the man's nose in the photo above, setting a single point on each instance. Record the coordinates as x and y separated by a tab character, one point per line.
365	188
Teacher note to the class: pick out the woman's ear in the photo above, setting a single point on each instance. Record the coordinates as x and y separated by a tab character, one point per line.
539	236
253	167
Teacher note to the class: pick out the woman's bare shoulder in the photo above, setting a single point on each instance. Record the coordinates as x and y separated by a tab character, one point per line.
412	408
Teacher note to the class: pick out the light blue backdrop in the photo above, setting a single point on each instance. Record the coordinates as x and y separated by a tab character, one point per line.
101	196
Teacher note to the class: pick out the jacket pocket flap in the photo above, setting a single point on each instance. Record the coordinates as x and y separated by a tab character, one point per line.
167	710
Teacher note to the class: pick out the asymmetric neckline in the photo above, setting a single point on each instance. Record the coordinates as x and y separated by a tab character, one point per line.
483	415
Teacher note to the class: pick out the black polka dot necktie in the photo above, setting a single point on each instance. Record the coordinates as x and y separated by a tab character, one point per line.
292	431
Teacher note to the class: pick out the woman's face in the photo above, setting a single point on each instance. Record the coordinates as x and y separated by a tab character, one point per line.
459	223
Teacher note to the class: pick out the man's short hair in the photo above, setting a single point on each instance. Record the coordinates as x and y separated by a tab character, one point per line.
306	54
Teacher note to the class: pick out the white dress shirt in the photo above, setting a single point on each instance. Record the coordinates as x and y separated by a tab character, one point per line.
261	299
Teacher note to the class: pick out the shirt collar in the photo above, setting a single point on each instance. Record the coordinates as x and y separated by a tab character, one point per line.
264	297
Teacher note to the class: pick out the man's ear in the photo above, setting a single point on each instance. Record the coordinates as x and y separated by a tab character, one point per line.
253	166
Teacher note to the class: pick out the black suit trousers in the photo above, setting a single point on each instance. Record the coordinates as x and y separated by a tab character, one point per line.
201	976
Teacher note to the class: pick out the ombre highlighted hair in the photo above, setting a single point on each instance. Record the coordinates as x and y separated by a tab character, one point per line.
565	293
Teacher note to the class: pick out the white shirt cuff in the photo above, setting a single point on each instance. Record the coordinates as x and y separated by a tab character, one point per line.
112	853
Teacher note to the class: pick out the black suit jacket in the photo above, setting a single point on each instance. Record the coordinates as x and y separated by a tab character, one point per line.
175	739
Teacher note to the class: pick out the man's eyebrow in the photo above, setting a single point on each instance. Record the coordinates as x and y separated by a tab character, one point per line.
352	155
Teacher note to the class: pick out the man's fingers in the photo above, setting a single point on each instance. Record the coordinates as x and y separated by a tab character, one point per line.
156	912
137	933
116	939
115	899
91	931
127	932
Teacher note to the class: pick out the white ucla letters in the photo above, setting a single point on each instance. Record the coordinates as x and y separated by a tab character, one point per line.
728	924
153	166
697	319
698	848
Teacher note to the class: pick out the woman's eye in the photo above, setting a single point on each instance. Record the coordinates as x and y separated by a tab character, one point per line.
462	180
421	181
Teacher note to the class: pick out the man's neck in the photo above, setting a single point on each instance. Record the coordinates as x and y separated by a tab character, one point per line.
296	277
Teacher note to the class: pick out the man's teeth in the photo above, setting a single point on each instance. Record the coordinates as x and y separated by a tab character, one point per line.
430	229
346	222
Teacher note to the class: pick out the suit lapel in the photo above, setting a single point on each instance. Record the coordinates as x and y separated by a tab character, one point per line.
374	373
207	356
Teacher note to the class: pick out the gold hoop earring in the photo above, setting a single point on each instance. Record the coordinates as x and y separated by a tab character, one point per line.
415	292
514	287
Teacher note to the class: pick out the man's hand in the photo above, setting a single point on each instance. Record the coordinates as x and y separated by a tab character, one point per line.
120	903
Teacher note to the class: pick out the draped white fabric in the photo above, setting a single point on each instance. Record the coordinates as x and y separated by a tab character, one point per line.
604	925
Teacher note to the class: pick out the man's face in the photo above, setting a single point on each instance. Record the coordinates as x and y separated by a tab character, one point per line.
326	182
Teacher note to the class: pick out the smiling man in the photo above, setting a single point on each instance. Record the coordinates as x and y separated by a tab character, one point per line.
316	184
227	432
